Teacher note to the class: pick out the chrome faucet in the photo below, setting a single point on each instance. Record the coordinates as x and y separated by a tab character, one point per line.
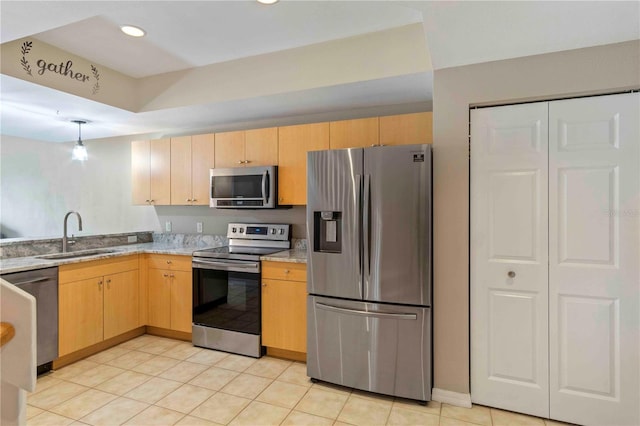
65	239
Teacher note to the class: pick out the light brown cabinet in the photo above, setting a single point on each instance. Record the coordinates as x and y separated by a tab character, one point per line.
247	148
97	300
406	129
293	144
191	159
359	133
151	172
284	306
170	300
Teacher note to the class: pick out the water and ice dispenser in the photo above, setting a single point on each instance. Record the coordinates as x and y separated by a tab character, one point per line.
327	231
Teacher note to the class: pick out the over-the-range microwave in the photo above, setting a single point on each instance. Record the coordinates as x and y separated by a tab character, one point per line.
244	188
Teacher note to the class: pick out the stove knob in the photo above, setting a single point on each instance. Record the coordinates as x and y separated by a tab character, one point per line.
281	231
233	230
241	230
273	231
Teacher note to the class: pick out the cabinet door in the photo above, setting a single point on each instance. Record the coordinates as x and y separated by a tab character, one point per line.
202	160
159	298
229	149
406	129
160	172
181	301
293	144
284	315
80	315
359	133
181	170
120	303
140	172
261	147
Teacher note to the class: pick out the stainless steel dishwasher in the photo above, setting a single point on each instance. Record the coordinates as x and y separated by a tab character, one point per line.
43	285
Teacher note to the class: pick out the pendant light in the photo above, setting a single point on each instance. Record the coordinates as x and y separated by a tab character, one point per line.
79	150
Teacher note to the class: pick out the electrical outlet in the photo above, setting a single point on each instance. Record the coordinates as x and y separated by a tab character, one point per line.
132	239
167	226
199	227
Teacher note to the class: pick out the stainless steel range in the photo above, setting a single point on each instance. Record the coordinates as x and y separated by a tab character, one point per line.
226	288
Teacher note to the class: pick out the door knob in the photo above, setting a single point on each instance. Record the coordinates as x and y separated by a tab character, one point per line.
511	274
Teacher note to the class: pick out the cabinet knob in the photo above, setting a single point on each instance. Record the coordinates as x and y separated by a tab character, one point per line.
246	161
511	274
168	262
109	280
100	283
165	275
193	200
147	201
171	275
240	162
188	200
286	271
264	284
152	201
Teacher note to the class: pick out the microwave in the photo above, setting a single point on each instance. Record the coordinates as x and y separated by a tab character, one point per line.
244	188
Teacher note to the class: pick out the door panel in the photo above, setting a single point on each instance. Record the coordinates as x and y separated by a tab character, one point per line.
160	171
594	275
509	328
121	307
374	347
140	172
181	301
202	160
159	298
181	170
397	233
334	182
80	314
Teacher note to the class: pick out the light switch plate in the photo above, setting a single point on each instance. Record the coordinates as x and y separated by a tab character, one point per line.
199	227
132	239
167	226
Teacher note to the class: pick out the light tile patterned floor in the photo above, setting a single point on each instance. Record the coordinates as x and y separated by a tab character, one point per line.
156	381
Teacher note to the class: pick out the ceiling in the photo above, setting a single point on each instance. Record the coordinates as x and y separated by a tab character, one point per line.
185	35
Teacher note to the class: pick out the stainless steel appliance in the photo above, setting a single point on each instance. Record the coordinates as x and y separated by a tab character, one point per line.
43	285
369	269
226	288
244	188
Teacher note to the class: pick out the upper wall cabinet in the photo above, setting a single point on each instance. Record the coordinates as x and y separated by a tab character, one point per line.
294	143
358	133
191	159
151	171
258	147
406	129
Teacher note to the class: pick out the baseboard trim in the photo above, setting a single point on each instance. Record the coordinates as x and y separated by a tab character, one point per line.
453	398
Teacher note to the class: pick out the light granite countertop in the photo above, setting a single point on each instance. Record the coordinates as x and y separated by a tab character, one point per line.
18	264
293	256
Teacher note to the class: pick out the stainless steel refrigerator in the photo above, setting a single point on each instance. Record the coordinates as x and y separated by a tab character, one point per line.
369	269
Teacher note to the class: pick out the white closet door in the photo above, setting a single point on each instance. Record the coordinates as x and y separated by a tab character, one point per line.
594	256
509	261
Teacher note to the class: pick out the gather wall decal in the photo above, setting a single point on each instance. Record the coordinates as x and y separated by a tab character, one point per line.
64	68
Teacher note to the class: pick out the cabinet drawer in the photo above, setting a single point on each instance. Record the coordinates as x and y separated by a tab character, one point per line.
169	262
96	268
284	271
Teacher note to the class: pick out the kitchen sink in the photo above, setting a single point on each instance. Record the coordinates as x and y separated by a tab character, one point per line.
74	254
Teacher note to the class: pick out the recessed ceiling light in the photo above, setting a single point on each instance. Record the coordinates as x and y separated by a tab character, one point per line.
267	1
132	31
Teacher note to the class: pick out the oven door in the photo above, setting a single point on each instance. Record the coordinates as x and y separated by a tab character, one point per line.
226	295
247	187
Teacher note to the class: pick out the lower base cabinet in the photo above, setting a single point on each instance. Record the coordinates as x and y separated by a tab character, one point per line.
284	306
170	292
96	301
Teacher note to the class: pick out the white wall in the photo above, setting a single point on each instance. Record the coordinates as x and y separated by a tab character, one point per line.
39	183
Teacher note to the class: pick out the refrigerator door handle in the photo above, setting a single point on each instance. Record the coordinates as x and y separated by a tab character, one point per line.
358	219
373	314
366	226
